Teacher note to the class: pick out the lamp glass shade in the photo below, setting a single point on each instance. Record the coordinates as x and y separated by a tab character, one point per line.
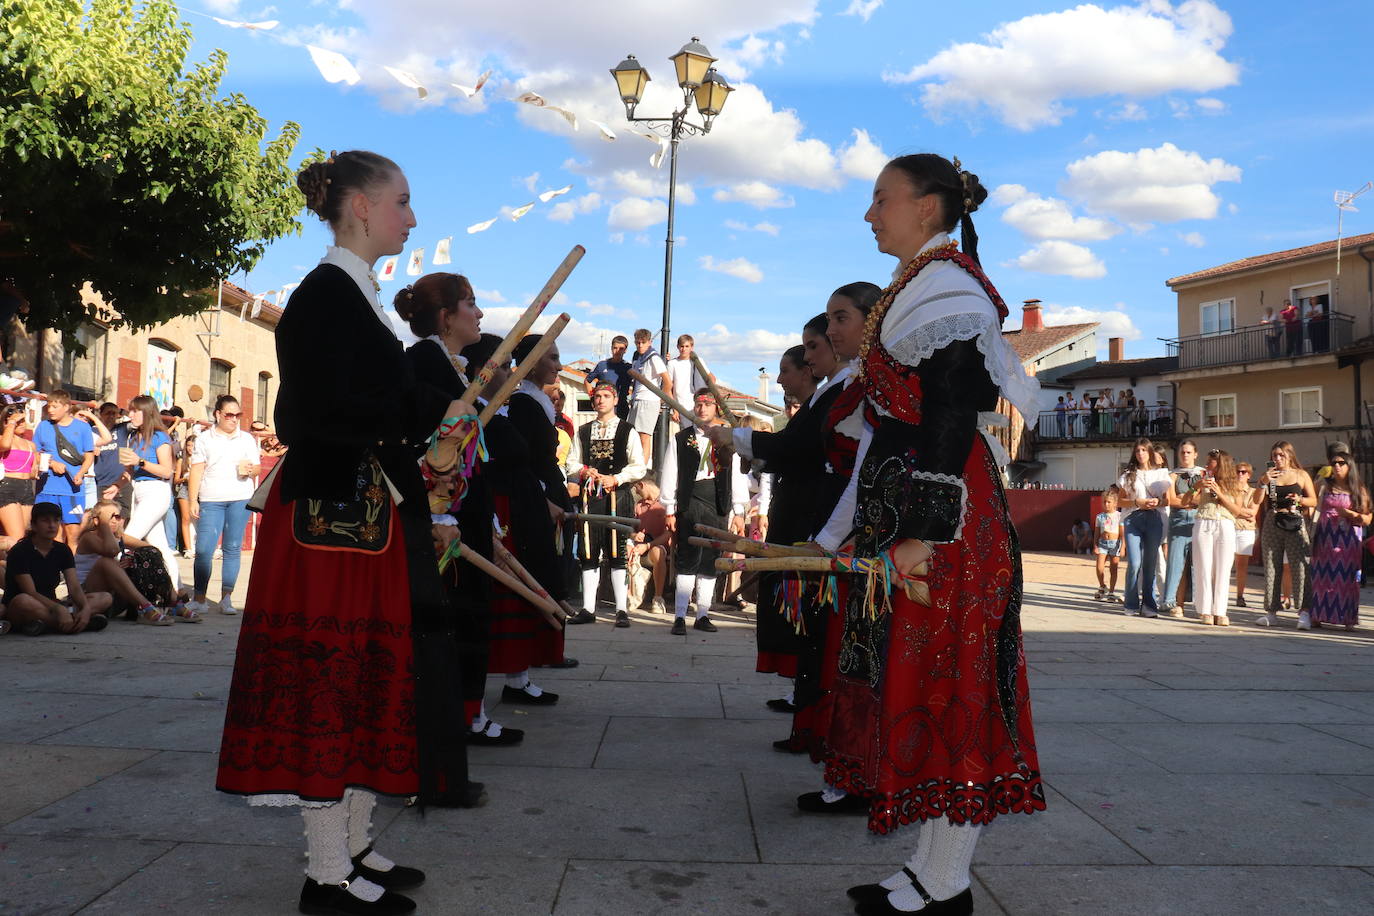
630	80
711	94
692	64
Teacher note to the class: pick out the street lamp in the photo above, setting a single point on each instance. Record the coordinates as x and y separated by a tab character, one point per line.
700	84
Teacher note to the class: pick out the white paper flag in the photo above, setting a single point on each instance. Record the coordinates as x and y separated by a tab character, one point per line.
656	160
567	115
521	211
264	25
441	251
258	301
606	132
388	269
417	263
550	195
409	80
531	98
470	91
334	67
481	227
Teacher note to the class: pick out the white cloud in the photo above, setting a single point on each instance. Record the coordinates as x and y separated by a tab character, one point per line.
1026	69
1115	322
488	295
637	184
757	347
596	308
635	213
1129	111
1041	218
767	228
863	159
862	8
1210	106
1061	258
530	182
1165	184
1194	239
736	267
564	211
751	52
754	193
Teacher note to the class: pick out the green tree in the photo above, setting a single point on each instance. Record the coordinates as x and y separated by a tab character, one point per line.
120	166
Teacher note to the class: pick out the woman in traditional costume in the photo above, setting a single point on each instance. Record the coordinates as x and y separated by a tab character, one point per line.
931	717
345	680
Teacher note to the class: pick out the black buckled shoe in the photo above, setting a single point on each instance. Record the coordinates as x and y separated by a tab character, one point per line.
815	803
788	747
961	904
396	878
521	697
874	893
781	705
506	738
335	900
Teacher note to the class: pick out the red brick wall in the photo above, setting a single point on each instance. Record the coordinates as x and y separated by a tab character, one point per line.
246	402
1043	517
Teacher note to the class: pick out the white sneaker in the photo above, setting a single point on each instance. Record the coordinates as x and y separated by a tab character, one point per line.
226	606
1304	620
200	607
657	606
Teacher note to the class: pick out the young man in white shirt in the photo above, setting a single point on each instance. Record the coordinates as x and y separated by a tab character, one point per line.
684	375
645	404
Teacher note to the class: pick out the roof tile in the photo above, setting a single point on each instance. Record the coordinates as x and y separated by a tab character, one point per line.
1274	257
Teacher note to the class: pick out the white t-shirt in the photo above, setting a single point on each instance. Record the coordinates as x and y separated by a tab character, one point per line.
651	368
685	378
1152	483
221	455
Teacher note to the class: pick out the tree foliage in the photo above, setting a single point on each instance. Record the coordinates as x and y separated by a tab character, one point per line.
121	167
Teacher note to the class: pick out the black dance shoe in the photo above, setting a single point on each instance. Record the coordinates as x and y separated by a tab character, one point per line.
705	625
815	803
335	900
961	904
396	878
787	747
781	705
508	737
521	697
622	619
874	893
679	627
582	616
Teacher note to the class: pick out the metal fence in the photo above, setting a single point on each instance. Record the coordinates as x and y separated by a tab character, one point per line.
1109	423
1258	342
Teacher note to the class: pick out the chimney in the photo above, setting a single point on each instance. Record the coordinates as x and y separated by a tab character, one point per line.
764	379
1030	316
1116	349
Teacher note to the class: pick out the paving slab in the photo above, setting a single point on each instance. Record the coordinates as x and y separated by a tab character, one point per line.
1185	820
1250	748
28	715
611	698
1248	706
552	741
155	723
680	745
63	770
749	701
51	875
1083	705
1358	734
1135	891
1067	748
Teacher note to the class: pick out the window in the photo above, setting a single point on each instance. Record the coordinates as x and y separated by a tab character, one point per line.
1219	411
85	375
1217	317
220	378
260	411
1300	407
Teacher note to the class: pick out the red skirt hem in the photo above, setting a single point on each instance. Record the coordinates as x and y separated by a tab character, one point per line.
782	664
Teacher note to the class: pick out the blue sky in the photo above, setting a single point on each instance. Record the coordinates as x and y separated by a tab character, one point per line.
1124	144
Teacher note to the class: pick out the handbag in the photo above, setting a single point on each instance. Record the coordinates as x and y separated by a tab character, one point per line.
1284	519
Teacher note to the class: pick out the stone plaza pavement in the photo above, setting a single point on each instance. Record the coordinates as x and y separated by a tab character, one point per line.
1191	770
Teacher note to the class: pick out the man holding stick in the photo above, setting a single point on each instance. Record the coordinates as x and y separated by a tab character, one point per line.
605	462
701	485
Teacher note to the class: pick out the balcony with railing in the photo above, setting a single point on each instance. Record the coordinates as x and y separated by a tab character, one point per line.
1108	424
1262	342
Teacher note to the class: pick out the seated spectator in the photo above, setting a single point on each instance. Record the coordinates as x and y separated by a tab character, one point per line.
649	546
98	550
33	570
1080	536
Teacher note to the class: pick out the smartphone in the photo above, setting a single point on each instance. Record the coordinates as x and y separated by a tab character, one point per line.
1269	465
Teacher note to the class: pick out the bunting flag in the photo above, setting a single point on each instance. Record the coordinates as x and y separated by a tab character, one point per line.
280	298
334	67
417	263
258	302
521	211
550	195
407	79
656	160
388	269
441	251
264	25
538	101
481	227
471	91
606	133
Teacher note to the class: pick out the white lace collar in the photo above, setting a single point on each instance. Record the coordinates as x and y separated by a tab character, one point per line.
841	377
534	391
362	274
459	361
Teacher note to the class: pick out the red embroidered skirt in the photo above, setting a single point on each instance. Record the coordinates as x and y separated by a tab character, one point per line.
779	663
520	638
323	692
934	739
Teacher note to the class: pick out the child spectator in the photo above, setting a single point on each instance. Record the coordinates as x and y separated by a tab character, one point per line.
1080	536
649	545
33	570
1109	544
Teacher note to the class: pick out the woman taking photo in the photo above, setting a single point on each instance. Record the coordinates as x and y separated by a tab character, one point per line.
1184	481
1285	491
1144	489
225	464
927	490
20	462
347	568
1219	500
1343	513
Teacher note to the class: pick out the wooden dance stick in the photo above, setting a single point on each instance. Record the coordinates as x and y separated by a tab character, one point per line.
522	327
758	548
721	407
665	397
744	583
748	548
610	521
918	589
508	560
546	341
544	604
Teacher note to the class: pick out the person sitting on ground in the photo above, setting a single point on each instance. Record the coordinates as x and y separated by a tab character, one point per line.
1109	545
33	570
649	545
97	564
1080	536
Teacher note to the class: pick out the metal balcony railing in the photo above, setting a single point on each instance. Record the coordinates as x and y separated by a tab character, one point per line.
1261	342
1109	424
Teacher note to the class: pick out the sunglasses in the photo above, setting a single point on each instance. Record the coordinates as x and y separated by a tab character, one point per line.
232	416
1341	461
